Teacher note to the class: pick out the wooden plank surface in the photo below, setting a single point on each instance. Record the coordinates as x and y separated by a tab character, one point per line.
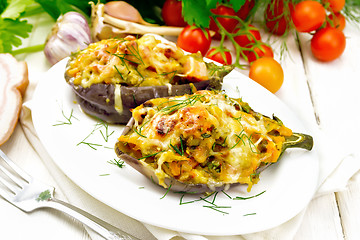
332	89
348	201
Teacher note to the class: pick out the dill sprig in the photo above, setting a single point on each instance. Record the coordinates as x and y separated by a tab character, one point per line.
210	202
119	163
167	191
135	53
68	119
249	214
190	101
176	149
246	198
105	135
150	155
139	133
119	72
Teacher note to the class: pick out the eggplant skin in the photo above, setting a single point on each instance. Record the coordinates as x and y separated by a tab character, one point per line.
98	100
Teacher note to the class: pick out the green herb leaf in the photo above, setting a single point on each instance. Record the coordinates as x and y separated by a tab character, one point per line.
10	33
246	198
198	12
237	4
44	196
15	8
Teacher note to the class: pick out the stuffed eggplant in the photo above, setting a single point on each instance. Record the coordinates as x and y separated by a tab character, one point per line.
203	142
112	76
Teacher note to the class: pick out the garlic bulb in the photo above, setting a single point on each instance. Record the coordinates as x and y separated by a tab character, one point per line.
70	33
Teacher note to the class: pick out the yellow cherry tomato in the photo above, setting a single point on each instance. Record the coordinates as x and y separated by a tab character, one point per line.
267	72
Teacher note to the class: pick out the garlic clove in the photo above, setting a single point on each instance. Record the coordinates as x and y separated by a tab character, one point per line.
70	33
104	26
124	11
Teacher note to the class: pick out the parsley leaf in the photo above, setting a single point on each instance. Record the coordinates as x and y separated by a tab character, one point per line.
11	31
198	12
15	8
237	4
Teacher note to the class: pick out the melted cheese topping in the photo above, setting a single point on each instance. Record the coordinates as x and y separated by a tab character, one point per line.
134	62
205	138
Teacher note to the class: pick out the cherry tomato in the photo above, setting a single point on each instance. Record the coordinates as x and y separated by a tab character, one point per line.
276	20
215	55
262	51
328	44
245	39
245	9
268	73
337	21
172	13
336	5
194	39
228	23
308	16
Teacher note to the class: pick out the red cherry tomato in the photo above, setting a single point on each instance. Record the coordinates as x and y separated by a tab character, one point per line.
337	21
328	44
268	73
276	21
245	9
245	39
259	52
194	39
336	5
228	23
308	16
172	13
215	55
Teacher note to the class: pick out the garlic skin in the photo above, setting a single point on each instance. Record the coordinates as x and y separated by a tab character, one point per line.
70	33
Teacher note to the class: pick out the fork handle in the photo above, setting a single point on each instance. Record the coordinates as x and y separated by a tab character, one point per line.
103	228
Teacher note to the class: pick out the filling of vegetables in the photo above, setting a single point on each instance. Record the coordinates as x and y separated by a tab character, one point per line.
205	138
134	62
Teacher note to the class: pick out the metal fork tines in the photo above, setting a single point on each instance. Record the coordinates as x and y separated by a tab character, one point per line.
28	194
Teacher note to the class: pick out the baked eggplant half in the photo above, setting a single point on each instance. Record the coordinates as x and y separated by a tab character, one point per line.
203	142
113	76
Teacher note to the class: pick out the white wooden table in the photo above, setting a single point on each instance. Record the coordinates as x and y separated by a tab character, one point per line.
333	92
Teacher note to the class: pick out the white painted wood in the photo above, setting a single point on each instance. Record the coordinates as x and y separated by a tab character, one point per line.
321	220
349	206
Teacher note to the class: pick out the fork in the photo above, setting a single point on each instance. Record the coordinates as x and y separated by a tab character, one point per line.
28	194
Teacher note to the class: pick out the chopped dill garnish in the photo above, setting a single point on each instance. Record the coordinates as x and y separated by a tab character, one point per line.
167	191
119	72
138	133
216	208
191	100
249	214
151	155
91	145
105	174
119	163
245	198
68	119
212	205
226	194
105	135
176	149
135	52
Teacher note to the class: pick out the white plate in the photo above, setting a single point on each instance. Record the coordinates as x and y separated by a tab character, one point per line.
289	185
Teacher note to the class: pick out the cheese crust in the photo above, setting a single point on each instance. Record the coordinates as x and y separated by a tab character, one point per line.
134	62
203	138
